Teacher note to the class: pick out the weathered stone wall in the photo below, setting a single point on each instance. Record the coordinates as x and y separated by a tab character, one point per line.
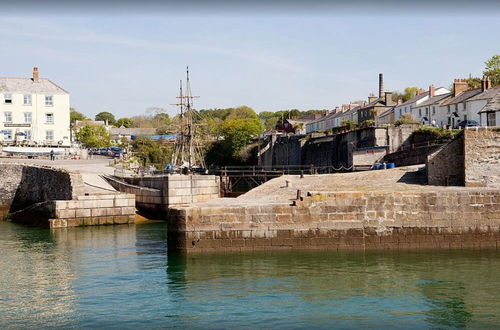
445	166
24	185
482	157
155	195
411	156
368	156
333	150
93	210
445	218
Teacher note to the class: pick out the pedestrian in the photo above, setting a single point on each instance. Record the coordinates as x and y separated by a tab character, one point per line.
52	156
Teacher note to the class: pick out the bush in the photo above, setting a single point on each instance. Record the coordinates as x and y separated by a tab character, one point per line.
438	133
405	119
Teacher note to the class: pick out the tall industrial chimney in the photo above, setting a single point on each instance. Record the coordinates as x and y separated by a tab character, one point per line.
380	85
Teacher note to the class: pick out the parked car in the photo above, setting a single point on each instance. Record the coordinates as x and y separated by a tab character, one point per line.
468	123
116	152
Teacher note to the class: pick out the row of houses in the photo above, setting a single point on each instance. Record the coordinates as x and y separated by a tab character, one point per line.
437	107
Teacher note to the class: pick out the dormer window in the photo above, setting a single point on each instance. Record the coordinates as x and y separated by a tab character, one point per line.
7	97
49	102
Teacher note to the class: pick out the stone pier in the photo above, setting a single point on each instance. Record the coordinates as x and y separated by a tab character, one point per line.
51	197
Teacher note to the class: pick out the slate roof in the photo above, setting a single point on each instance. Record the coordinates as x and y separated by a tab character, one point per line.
462	96
26	85
486	95
434	100
415	99
493	104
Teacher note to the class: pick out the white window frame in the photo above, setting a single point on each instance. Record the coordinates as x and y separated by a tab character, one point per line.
47	138
7	97
27	99
47	116
28	115
49	100
9	114
28	136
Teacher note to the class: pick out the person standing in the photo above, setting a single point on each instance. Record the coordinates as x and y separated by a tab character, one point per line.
52	155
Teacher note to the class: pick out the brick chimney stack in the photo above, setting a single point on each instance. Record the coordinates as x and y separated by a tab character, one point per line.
432	91
459	86
35	74
388	99
380	85
420	91
485	83
400	100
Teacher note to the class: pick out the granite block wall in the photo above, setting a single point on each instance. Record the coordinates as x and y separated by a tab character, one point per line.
482	157
344	220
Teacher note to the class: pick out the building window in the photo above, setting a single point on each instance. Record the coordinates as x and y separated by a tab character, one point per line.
456	107
491	119
49	118
420	112
448	108
7	117
433	110
7	97
27	135
49	101
400	112
7	135
27	99
426	111
49	135
27	117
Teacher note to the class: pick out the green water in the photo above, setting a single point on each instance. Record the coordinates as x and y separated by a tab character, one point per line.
121	277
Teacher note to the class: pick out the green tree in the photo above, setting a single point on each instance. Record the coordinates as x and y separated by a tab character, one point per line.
473	82
93	136
125	122
106	116
75	115
152	152
492	69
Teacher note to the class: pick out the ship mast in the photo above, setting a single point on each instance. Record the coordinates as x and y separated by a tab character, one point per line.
187	151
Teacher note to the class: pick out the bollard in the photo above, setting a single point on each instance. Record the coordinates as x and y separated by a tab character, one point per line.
298	194
288	183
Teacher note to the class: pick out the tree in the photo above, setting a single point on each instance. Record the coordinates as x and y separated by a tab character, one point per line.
125	122
152	152
106	116
492	69
93	136
474	82
75	115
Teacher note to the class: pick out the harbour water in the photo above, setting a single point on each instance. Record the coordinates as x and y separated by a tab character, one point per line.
122	277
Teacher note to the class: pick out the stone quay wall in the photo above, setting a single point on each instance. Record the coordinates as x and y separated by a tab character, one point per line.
482	157
94	210
444	218
23	185
472	159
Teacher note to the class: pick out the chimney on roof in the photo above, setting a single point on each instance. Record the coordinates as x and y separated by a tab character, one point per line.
371	98
400	100
485	83
388	99
432	91
420	91
35	74
380	85
459	86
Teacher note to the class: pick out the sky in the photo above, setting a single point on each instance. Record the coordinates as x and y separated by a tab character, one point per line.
127	59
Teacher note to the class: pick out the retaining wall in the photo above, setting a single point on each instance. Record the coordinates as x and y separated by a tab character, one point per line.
445	218
23	185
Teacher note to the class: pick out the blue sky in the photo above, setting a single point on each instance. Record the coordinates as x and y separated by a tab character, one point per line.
314	60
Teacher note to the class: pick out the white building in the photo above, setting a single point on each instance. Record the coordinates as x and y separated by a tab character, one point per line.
490	114
453	110
34	111
409	106
475	104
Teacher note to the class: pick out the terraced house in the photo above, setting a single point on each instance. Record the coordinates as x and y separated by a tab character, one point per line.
34	111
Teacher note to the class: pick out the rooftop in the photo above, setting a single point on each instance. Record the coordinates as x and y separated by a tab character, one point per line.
462	96
27	85
486	95
434	100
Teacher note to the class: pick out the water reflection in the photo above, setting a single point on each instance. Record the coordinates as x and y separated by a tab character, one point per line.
123	277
